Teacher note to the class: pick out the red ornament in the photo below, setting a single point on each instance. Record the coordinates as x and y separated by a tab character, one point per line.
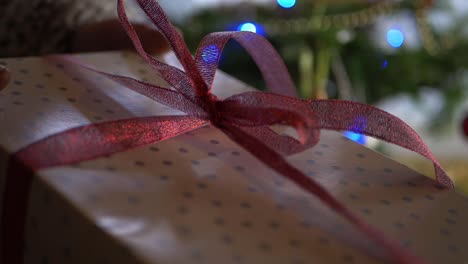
465	126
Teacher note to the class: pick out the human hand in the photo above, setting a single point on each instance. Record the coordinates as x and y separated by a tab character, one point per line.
109	35
4	77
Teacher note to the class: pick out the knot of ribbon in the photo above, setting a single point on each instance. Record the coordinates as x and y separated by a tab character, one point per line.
245	118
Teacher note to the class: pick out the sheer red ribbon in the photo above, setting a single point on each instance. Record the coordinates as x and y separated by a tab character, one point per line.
245	118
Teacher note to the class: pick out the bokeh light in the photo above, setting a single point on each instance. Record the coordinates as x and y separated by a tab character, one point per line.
286	3
210	54
395	38
247	27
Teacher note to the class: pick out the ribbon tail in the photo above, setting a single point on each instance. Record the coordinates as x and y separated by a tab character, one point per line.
74	145
276	162
156	14
269	62
175	77
342	115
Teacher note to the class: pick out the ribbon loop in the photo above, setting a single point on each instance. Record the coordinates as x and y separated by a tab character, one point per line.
269	62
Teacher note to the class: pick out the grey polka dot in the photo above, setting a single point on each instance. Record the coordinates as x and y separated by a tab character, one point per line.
183	230
264	246
452	248
360	155
39	86
48	74
195	162
211	176
110	168
109	111
98	118
334	167
366	211
360	169
246	224
226	239
407	199
387	170
274	224
398	224
452	211
294	243
167	162
445	232
343	182
305	224
164	177
17	103
239	168
216	203
202	185
235	153
364	184
19	93
387	184
385	202
318	153
187	194
429	197
324	145
411	184
219	221
311	162
245	205
132	200
139	163
406	243
98	101
237	258
450	221
252	189
311	173
214	141
353	196
183	150
211	154
17	82
154	149
196	255
61	88
323	240
415	216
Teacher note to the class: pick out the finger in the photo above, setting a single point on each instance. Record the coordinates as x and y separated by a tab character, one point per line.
4	77
109	35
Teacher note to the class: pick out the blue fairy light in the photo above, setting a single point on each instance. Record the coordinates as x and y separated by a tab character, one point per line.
395	38
286	3
359	125
356	137
247	27
385	64
210	54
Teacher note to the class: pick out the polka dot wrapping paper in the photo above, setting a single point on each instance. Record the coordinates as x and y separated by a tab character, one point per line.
200	198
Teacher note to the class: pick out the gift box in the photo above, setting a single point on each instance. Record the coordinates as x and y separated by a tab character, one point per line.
95	171
199	197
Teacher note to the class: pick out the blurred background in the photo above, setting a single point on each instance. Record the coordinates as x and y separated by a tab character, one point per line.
408	57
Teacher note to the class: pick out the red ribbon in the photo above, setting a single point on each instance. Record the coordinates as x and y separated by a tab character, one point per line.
245	118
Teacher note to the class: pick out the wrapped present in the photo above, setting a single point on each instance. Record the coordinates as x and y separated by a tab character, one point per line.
94	171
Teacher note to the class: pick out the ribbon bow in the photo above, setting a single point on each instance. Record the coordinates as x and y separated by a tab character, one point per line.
245	118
